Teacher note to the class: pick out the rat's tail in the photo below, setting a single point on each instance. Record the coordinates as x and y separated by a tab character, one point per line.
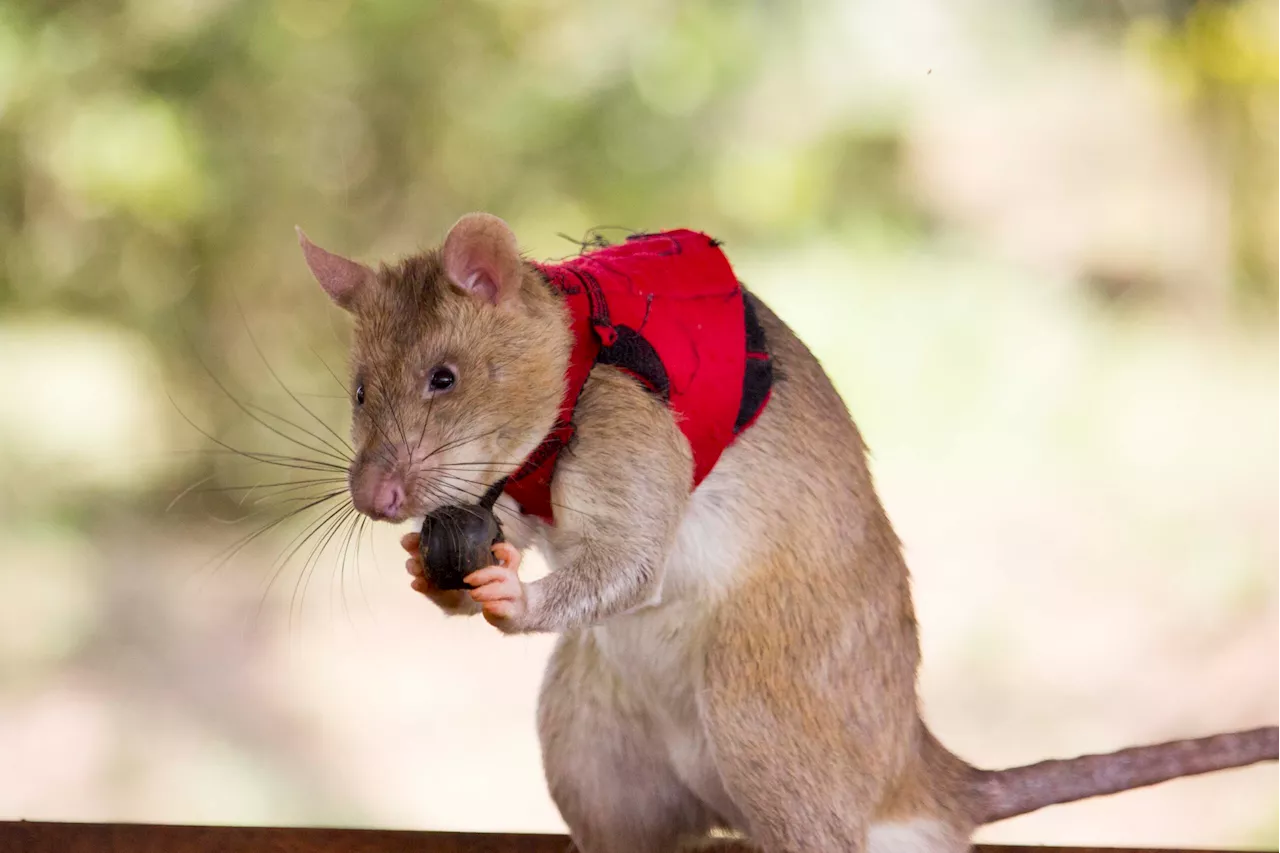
1018	790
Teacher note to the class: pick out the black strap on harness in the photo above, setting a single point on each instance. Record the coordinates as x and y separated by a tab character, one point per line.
491	495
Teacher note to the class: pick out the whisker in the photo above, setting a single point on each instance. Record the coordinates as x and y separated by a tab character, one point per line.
384	453
260	456
266	458
456	479
426	421
345	551
280	382
438	490
456	443
313	559
365	527
342	453
283	559
346	392
269	485
242	407
243	518
395	414
455	490
182	494
224	556
284	490
486	464
284	501
359	536
271	491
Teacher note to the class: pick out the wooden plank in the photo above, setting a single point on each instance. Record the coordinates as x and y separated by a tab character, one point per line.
33	837
42	837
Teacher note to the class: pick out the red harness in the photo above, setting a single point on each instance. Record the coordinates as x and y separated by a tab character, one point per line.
667	309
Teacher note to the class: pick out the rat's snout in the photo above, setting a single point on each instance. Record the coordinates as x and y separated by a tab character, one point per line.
379	494
388	498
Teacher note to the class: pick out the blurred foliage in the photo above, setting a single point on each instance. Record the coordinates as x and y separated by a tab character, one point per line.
154	155
1223	57
157	154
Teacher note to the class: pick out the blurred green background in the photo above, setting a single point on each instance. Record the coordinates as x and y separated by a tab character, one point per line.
1034	243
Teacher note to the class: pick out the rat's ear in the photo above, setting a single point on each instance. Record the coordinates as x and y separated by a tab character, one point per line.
340	277
481	256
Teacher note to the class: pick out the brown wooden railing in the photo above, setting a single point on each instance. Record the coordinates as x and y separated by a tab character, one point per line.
41	837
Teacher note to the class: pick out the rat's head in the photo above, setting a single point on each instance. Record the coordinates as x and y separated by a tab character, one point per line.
457	367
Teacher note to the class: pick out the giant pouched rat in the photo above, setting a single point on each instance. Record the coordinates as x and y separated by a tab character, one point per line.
742	654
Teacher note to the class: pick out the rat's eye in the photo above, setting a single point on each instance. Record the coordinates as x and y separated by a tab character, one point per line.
360	394
442	379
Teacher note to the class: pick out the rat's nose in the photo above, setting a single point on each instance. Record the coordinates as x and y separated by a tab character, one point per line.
388	498
379	495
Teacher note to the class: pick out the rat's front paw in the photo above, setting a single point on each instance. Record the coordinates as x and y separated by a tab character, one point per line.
454	602
499	590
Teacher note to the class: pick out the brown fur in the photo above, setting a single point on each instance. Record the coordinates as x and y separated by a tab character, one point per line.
741	657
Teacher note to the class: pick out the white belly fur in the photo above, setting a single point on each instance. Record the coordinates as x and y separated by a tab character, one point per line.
657	650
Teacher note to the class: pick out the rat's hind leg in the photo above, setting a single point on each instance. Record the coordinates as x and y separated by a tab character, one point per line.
809	705
606	770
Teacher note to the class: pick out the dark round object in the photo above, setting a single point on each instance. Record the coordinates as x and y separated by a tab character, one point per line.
456	541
